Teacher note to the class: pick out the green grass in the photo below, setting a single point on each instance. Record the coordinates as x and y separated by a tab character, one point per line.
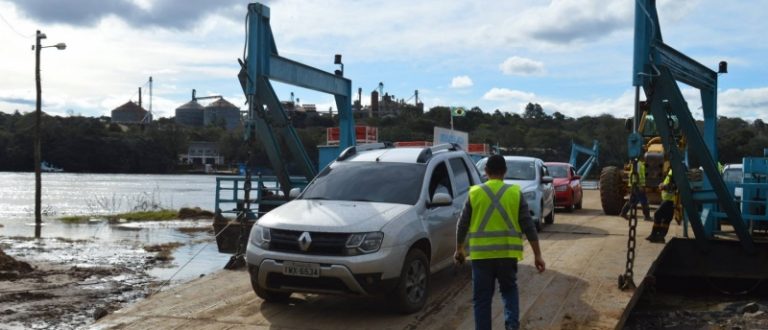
147	215
75	219
130	216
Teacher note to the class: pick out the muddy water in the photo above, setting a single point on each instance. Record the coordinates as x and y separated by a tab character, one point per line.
97	242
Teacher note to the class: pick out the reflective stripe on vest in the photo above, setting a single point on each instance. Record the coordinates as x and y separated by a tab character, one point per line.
640	174
666	194
494	229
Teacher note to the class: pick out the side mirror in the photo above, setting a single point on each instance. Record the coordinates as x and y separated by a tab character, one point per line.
295	192
441	199
546	179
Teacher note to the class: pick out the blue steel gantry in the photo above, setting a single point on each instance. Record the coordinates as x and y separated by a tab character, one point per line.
657	68
266	116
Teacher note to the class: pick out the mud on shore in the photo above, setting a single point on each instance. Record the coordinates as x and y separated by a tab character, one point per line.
54	283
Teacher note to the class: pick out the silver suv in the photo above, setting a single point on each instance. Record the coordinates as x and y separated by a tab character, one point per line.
377	221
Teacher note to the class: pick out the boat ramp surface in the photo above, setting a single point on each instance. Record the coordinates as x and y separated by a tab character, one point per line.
585	252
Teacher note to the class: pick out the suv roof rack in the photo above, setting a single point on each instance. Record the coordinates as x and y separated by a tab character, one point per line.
426	154
353	150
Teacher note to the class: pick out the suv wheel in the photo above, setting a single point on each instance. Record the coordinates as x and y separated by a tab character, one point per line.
550	219
264	293
411	293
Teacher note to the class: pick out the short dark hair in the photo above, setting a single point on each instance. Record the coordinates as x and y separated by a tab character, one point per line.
496	165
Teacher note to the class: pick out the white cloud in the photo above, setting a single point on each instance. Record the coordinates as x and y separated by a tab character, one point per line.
521	66
461	82
748	104
505	94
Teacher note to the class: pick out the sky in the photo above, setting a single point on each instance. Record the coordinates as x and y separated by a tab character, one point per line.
569	56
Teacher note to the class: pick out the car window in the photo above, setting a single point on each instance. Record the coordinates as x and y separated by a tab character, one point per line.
558	171
460	175
520	170
440	181
368	181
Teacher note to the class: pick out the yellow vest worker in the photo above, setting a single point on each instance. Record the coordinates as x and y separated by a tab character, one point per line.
640	173
495	233
495	217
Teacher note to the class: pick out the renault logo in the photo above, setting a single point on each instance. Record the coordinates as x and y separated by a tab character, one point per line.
304	241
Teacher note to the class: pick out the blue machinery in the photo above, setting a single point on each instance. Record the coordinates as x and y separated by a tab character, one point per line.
266	116
657	68
267	119
592	154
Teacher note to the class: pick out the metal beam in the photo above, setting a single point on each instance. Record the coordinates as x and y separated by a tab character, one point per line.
294	73
684	68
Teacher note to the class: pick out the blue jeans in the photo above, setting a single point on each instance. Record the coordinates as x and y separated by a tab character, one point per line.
485	273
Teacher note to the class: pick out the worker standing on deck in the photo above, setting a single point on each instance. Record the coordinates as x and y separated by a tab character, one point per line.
663	216
495	216
637	195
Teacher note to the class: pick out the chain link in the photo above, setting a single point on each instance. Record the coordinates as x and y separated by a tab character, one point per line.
626	281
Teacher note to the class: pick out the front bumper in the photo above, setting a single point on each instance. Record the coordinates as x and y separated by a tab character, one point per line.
368	275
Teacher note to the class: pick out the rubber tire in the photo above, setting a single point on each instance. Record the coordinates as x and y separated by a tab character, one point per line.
611	190
578	205
569	208
269	296
415	266
550	219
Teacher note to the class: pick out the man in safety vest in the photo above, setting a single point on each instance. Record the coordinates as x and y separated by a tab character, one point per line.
637	195
663	215
495	217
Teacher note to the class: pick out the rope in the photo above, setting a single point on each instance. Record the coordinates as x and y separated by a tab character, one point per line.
164	283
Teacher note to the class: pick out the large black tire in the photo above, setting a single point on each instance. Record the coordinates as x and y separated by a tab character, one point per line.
269	296
611	190
410	296
550	219
569	207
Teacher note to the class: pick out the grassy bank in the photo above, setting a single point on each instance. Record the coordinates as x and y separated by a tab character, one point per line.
153	215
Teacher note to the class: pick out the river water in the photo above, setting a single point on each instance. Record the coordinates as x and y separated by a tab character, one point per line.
65	194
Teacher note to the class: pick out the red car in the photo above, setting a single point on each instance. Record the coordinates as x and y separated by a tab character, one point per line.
568	193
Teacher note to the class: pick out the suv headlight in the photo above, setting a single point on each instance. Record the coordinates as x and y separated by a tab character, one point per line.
561	188
261	236
364	243
529	196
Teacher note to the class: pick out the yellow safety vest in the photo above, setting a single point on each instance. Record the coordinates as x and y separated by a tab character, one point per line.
494	229
640	174
667	194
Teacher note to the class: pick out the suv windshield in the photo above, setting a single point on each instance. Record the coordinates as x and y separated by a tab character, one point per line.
368	181
558	171
520	170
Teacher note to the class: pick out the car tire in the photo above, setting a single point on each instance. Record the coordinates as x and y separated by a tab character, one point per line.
569	207
411	293
269	296
550	219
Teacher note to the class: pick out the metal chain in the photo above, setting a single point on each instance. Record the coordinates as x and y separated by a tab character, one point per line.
626	281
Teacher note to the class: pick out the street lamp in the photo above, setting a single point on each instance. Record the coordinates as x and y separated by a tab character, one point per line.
37	48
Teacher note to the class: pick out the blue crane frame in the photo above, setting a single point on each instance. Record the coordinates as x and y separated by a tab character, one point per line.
266	116
593	155
657	68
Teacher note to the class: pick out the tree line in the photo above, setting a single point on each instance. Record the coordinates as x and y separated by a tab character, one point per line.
95	145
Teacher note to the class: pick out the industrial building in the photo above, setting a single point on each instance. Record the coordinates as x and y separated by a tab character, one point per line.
130	113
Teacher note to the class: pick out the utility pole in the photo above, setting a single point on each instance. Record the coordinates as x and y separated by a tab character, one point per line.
38	114
38	184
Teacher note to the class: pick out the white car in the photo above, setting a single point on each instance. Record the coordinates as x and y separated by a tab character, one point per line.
535	183
376	221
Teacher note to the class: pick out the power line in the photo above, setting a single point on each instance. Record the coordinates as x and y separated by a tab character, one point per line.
14	29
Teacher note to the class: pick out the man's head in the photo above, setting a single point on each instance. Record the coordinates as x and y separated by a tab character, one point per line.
496	167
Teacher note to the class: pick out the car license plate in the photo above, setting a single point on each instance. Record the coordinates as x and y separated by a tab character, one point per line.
301	269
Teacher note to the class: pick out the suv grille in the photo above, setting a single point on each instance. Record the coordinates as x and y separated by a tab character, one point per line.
322	243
